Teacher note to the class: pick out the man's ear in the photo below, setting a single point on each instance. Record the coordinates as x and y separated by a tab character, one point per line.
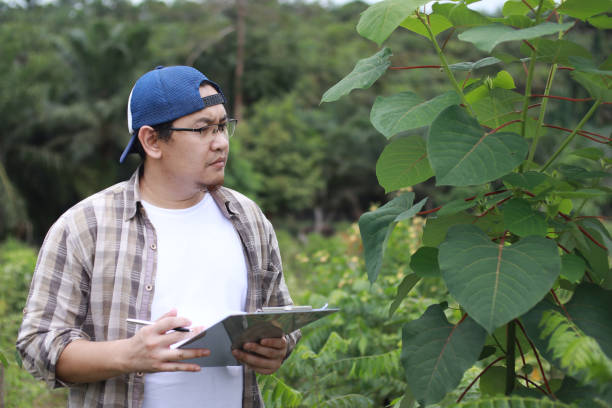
149	142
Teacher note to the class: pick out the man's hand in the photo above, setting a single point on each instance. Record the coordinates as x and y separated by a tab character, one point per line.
150	346
264	357
84	361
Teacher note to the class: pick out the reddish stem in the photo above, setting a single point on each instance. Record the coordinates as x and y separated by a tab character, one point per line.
561	304
563	248
570	29
417	67
582	133
477	377
534	384
599	217
585	232
554	13
529	45
433	210
522	356
535	351
504	125
563	98
528	5
466	79
447	38
489	210
566	68
589	236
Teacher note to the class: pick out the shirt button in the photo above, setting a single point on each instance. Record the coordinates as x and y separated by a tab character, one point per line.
153	246
149	288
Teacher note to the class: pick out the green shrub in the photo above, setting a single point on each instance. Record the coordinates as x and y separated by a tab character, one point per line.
17	262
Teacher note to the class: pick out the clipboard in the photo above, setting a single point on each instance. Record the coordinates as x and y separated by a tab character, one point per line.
235	330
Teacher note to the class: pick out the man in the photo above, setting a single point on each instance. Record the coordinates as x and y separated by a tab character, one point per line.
171	238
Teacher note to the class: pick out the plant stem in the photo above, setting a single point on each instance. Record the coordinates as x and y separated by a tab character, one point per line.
536	137
510	357
447	69
571	136
477	377
530	71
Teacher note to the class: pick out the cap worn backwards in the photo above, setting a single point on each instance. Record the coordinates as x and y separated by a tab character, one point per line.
165	94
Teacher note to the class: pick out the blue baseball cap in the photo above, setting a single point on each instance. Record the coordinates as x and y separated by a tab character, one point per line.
165	94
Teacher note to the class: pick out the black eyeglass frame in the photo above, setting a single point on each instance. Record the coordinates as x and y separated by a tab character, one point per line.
203	128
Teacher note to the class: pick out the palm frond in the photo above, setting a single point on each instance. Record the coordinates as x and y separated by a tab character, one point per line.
347	401
580	355
276	393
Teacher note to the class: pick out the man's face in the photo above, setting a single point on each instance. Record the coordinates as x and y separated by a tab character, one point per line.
197	160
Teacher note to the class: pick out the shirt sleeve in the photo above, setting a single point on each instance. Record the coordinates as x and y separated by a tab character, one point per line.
278	292
57	304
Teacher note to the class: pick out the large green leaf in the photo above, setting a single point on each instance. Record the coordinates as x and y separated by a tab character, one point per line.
498	108
520	7
460	15
591	310
493	381
376	227
437	24
583	9
436	353
403	163
597	86
481	66
404	111
381	19
602	22
496	283
522	220
424	262
572	267
555	51
436	228
462	153
530	180
403	289
365	73
488	37
513	402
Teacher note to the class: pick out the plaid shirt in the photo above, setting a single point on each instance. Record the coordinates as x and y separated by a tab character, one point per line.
97	267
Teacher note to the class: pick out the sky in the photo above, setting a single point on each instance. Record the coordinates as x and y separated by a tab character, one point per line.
488	6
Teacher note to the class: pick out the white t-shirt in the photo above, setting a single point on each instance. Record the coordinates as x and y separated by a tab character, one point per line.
201	271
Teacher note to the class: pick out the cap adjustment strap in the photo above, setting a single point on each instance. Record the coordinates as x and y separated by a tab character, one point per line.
214	99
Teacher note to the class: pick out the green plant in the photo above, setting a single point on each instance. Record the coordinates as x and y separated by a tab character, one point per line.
527	270
17	261
350	358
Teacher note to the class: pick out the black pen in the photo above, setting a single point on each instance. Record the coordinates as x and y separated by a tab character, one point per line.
147	322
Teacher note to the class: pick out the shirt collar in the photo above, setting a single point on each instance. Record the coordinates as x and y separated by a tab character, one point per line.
225	201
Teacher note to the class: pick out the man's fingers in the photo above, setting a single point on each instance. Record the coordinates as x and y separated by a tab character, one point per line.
185	354
168	323
277	343
265	351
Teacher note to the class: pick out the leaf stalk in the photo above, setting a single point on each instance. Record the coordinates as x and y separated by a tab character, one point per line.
445	66
585	118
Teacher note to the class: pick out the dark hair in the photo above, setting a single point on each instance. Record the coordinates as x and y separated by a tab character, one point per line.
163	133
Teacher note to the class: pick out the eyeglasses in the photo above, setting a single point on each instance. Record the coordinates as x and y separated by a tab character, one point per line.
226	128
